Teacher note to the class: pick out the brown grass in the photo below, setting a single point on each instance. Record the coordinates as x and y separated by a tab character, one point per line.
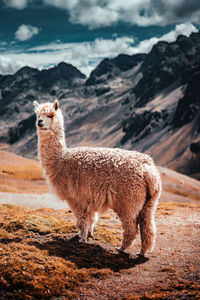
30	269
20	175
179	289
169	207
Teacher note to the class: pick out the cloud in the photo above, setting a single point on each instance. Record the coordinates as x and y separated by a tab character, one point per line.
26	32
107	48
176	11
18	4
9	65
85	56
184	29
95	14
3	46
65	4
103	13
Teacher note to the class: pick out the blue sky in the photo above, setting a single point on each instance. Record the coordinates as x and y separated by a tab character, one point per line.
42	33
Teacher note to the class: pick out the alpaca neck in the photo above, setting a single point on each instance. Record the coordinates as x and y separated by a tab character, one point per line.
51	148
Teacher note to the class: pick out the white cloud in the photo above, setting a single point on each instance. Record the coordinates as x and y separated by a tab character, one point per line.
95	13
85	56
9	65
3	46
184	29
107	48
66	4
26	32
18	4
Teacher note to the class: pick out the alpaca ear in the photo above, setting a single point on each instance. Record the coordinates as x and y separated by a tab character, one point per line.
36	104
56	105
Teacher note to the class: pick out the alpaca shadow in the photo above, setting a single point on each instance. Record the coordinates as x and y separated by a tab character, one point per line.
88	255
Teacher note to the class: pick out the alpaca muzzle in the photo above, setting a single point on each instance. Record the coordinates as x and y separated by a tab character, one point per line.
40	123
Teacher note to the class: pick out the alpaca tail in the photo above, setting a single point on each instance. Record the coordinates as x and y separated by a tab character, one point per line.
146	215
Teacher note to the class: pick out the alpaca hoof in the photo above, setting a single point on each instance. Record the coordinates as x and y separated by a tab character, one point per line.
120	250
141	258
90	236
123	253
141	254
82	241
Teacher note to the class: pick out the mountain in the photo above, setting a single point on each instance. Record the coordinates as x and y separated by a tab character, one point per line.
28	83
110	68
145	102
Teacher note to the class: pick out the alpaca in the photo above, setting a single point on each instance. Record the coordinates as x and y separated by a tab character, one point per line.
93	180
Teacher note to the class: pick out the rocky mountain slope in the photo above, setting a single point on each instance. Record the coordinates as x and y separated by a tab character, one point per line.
146	102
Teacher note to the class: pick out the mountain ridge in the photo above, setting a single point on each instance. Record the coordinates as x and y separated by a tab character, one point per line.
145	102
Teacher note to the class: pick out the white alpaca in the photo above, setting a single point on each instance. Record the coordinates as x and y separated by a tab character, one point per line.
92	180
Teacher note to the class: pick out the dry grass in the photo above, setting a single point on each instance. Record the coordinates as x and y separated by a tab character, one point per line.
29	172
20	175
179	289
33	260
168	208
111	235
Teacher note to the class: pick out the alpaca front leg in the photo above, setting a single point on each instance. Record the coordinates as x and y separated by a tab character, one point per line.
83	227
92	221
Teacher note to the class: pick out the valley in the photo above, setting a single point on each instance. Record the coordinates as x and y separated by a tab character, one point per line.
144	102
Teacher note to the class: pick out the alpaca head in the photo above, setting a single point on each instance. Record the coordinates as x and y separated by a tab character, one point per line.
49	116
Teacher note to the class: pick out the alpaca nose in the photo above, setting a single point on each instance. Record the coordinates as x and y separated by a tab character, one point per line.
40	123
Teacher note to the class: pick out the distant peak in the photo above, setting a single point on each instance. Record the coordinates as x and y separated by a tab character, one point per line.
65	69
26	70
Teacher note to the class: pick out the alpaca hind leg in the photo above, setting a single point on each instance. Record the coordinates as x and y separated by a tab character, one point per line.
147	229
130	231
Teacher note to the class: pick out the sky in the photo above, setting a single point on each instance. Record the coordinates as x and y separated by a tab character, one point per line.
42	33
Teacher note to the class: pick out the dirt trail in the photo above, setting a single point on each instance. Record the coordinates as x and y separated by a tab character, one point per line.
32	200
170	272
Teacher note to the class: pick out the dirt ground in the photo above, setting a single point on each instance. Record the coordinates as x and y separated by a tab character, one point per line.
41	257
170	272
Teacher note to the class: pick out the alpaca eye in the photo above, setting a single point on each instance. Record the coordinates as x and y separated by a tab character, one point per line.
50	116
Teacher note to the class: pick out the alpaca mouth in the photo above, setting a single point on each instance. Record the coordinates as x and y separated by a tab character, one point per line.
41	127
